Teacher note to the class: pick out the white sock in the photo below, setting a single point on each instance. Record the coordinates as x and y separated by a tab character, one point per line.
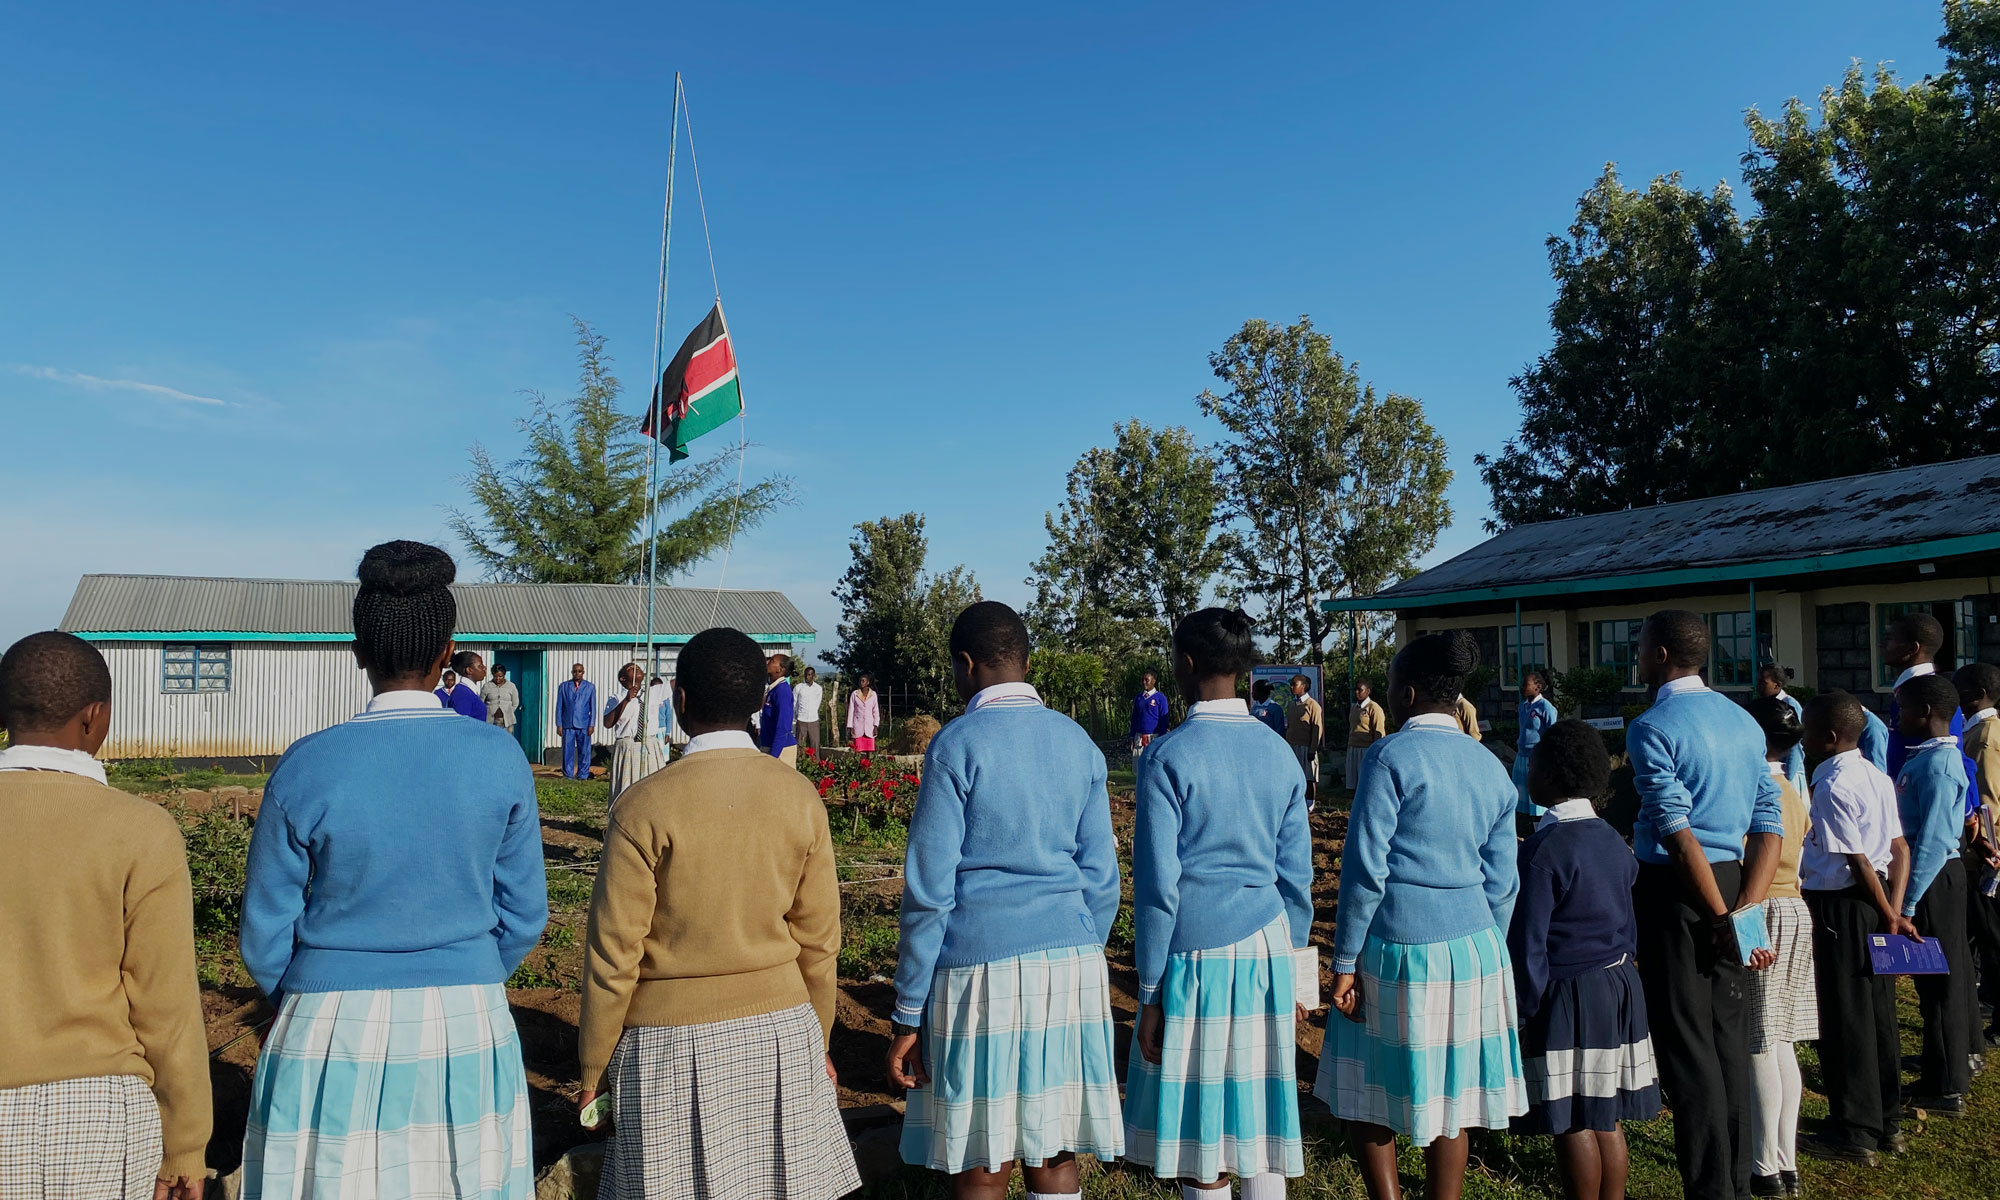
1055	1196
1191	1192
1267	1186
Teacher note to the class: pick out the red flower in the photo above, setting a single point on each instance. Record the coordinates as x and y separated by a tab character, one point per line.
888	790
912	780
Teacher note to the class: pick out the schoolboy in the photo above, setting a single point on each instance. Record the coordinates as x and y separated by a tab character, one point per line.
1930	799
104	1065
1366	725
1266	709
1853	874
1978	692
1912	647
1305	729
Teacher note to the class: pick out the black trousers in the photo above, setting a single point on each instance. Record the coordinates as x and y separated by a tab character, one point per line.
1697	1002
1946	1000
1982	930
1859	1056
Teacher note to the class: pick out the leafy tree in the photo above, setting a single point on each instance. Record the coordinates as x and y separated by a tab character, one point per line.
896	617
1134	547
1066	679
1338	489
572	509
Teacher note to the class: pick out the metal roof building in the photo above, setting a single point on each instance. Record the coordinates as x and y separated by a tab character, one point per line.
210	668
1808	576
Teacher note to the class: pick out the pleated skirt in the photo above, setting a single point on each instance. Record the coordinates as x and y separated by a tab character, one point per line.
1436	1050
80	1139
1521	802
738	1108
1784	1001
1588	1055
1224	1098
1019	1055
403	1094
632	759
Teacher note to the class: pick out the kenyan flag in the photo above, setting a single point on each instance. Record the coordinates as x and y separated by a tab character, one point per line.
698	390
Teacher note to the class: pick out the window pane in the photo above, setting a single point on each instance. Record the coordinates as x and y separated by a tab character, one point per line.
1529	649
179	653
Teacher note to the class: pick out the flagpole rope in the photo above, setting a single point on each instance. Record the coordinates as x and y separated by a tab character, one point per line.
742	417
695	161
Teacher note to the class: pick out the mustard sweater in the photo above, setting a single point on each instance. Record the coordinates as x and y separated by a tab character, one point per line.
715	899
97	970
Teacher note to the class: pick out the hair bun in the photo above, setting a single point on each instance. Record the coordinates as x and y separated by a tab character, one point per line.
404	568
1461	652
1238	622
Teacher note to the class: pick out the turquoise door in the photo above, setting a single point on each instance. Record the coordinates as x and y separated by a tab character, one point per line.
524	667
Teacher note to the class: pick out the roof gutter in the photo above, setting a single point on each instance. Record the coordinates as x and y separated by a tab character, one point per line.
243	635
1735	573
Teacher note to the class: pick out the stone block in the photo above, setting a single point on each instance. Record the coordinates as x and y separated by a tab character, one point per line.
574	1176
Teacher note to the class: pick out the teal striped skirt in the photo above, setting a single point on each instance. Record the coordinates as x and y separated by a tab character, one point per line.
1019	1054
405	1094
1224	1097
1436	1050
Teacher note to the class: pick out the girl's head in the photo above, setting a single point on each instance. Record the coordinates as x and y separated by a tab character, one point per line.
1428	674
1978	687
1571	763
863	683
1781	726
404	613
1534	683
1212	643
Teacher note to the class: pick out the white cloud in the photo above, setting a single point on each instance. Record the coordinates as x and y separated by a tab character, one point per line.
99	383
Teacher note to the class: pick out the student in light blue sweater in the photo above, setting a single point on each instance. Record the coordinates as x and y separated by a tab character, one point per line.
1010	889
1222	903
1930	798
1426	1044
1537	714
395	882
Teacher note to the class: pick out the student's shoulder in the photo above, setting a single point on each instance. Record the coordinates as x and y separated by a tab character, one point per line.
99	805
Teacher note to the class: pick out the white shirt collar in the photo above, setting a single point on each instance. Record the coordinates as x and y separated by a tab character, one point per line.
1836	763
1979	716
720	739
1949	739
1783	694
55	758
1220	708
1432	721
1775	768
1003	691
388	701
1675	687
1149	691
1913	672
1568	810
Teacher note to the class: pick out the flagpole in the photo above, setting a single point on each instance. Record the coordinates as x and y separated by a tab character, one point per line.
653	449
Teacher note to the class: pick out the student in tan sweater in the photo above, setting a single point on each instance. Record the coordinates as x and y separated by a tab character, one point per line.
709	973
103	1059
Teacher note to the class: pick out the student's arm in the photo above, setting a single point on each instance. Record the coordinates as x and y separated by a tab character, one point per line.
274	890
614	710
520	881
1887	902
1156	873
1528	938
1766	842
164	999
1500	857
621	915
814	921
1364	861
1295	861
1097	852
930	885
1664	801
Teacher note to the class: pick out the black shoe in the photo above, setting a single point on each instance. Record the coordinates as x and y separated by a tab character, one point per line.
1894	1143
1940	1106
1836	1151
1791	1179
1767	1185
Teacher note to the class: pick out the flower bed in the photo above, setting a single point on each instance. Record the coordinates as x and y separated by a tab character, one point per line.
874	789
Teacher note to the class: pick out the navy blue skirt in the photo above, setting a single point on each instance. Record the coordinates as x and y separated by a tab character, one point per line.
1588	1054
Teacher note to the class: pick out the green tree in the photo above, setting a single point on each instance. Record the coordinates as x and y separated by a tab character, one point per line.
1134	547
1338	490
1066	679
896	616
572	509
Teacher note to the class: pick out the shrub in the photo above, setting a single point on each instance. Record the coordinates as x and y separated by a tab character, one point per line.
1066	679
1631	712
218	852
140	770
1579	687
872	789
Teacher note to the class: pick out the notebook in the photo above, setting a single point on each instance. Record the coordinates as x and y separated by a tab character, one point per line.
1305	978
1894	954
1751	934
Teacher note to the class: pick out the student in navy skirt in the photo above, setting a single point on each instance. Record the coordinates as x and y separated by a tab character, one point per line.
1585	1045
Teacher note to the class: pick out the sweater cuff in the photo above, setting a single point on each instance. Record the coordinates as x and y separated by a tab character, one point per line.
1149	995
1344	966
191	1164
595	1076
1775	828
1669	826
1909	908
909	1016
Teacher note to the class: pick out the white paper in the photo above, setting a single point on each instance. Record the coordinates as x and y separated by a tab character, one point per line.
1305	978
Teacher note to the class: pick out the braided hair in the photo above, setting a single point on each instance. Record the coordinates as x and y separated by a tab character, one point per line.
1436	664
404	612
1218	640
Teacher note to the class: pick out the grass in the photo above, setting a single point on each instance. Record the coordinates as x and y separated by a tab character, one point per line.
158	776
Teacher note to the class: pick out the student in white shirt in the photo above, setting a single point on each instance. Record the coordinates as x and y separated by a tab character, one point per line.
1853	873
807	699
632	757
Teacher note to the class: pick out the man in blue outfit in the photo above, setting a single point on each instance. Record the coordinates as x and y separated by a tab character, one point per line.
1149	714
576	713
774	725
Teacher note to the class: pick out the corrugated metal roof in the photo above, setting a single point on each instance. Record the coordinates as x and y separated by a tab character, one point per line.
174	604
1858	512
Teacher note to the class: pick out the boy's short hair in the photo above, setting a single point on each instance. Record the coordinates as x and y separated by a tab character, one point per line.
1981	677
1782	727
990	633
1837	712
1921	628
1682	634
1933	691
1571	761
1260	690
47	678
722	673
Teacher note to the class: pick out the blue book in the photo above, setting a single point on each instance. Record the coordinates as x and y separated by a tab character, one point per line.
1894	954
1751	933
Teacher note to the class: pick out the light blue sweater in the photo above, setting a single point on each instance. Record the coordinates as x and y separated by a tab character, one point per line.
401	849
1930	797
1010	846
1874	740
1222	845
1430	842
1698	763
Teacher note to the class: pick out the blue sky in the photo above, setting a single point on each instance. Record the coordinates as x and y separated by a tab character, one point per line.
267	274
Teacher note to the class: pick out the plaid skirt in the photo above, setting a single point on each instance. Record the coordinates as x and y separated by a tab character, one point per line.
632	759
1019	1055
80	1139
1436	1050
737	1108
1784	1006
1224	1097
403	1094
1588	1054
